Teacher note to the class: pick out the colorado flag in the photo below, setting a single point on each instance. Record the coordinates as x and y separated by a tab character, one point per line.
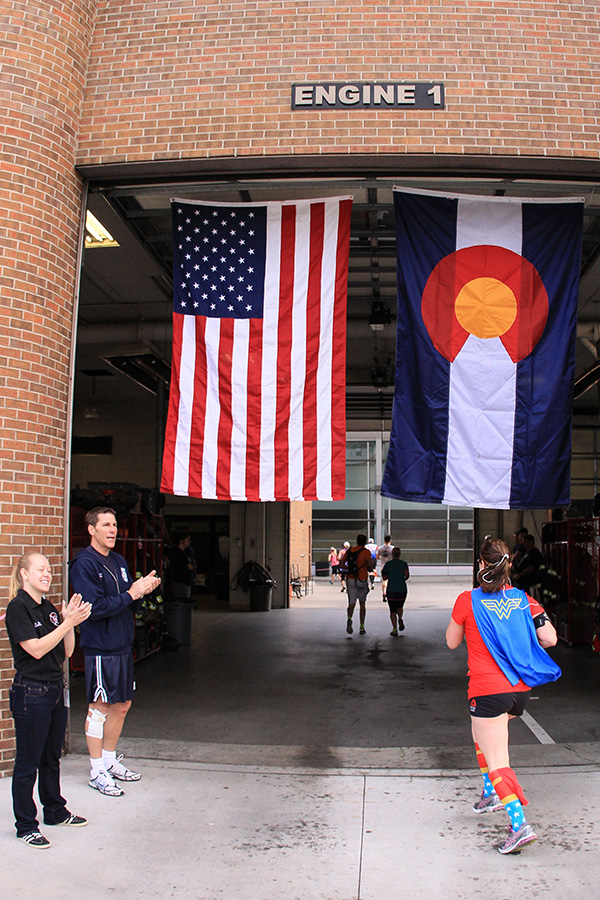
487	310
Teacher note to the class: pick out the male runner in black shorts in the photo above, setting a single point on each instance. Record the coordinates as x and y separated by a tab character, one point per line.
102	578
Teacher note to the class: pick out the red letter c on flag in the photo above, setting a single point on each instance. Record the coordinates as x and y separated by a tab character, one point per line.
488	291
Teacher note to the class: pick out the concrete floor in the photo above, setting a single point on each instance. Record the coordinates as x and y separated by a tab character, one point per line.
292	681
241	833
284	760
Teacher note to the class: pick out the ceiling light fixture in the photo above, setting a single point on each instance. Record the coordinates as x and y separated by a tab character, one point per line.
96	235
380	316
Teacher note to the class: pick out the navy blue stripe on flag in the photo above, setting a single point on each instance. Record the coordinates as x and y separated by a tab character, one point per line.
544	403
416	464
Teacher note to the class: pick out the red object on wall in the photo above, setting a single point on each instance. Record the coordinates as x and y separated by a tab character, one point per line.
140	541
570	581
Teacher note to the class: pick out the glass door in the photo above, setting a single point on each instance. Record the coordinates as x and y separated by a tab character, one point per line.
430	534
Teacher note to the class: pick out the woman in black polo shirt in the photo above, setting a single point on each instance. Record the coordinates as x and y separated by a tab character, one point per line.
40	642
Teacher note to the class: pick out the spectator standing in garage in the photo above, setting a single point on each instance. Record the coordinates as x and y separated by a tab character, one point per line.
525	571
102	578
40	642
183	567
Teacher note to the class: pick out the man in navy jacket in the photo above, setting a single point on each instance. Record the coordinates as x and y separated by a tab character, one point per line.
102	578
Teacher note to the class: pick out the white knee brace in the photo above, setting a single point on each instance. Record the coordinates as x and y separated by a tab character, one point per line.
94	723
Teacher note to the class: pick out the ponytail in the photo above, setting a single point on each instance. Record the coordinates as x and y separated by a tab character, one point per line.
16	581
496	557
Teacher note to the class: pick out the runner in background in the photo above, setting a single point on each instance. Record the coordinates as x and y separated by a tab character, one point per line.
342	567
383	554
396	575
372	548
333	562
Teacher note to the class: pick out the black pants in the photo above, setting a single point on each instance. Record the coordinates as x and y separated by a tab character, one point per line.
40	722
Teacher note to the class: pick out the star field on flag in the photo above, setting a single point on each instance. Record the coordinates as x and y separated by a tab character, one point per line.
220	260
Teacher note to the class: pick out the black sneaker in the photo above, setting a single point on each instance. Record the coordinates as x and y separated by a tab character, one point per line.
78	821
401	625
35	839
349	627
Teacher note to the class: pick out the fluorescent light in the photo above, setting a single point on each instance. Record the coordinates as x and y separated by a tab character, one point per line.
96	235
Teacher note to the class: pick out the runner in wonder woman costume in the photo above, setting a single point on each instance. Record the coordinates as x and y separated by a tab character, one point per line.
506	631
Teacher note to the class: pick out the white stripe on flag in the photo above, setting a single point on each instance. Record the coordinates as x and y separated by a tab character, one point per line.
186	401
483	376
477	224
480	446
210	456
298	356
239	407
269	354
324	371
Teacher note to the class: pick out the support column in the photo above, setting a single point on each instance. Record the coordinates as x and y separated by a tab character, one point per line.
259	532
44	61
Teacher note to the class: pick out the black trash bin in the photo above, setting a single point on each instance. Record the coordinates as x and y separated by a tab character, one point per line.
178	619
261	595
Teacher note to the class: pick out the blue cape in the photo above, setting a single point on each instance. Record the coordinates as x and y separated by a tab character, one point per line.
505	623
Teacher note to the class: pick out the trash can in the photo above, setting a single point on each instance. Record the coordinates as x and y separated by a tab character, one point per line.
178	619
261	595
322	569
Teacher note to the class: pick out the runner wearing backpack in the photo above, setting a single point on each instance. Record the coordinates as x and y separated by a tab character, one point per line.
358	562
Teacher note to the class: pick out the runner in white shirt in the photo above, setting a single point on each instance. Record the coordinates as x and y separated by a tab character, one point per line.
383	554
372	548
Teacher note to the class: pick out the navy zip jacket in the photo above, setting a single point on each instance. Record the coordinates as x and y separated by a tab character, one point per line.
103	582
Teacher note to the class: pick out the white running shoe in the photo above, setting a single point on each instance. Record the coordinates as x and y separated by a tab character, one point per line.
121	772
104	783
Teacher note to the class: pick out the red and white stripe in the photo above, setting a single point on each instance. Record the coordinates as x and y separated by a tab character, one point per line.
251	410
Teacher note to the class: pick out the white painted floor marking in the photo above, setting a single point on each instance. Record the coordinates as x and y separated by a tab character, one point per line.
542	736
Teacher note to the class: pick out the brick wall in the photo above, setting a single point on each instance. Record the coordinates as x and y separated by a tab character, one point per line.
300	537
212	79
40	200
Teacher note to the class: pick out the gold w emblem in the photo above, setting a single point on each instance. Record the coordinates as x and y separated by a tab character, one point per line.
502	606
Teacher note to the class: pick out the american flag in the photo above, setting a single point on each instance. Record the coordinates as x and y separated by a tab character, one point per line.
257	401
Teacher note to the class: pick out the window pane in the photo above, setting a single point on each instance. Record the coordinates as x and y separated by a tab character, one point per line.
356	475
429	533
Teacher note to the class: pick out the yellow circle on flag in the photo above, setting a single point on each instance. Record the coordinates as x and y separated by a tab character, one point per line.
486	307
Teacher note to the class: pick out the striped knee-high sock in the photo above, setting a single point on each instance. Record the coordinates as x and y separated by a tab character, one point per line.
506	785
488	787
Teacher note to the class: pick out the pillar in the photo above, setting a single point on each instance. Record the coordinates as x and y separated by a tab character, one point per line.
45	48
